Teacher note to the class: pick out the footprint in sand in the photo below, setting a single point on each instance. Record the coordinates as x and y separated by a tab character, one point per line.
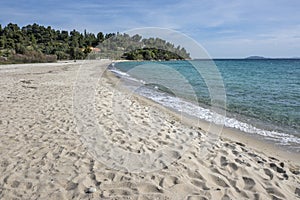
297	192
223	161
268	173
15	184
275	193
168	181
219	181
249	183
233	166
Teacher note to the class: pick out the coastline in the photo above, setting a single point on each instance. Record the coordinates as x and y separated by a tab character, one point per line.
53	161
254	141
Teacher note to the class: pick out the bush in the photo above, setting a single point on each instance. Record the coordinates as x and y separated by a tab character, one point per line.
32	57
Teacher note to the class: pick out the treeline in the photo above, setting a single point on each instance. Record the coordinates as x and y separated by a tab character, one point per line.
35	43
153	54
137	48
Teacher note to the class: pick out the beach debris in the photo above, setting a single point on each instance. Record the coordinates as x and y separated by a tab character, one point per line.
90	190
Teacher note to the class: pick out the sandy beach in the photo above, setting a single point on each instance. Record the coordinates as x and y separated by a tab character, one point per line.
70	135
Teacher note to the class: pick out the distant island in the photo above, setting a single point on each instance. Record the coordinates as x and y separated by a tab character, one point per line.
36	43
255	57
264	58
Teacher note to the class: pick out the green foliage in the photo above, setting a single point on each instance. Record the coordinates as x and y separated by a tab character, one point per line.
31	57
33	42
61	55
76	53
100	37
135	48
45	40
152	54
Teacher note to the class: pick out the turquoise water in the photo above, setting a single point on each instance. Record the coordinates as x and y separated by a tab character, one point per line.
262	96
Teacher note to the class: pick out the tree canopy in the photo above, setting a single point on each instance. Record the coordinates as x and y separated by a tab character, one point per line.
36	43
137	48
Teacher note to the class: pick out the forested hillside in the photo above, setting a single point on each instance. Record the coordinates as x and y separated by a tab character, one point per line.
36	43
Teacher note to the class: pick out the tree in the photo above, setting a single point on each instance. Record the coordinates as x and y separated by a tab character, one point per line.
2	42
76	53
136	38
74	38
32	40
20	48
100	37
12	27
87	50
147	55
35	43
64	36
109	35
61	55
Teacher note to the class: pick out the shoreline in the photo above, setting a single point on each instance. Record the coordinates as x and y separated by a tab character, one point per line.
140	150
259	133
256	142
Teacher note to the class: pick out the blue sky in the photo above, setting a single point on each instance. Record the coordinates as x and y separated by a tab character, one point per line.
225	28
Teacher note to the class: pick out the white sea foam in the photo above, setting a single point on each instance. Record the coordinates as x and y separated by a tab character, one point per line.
195	110
210	116
119	73
122	74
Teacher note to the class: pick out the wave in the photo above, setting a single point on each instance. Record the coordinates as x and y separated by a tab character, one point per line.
122	74
166	98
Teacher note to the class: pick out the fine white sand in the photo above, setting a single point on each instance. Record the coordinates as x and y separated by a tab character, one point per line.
70	135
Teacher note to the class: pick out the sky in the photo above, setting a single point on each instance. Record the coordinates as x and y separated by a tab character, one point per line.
224	28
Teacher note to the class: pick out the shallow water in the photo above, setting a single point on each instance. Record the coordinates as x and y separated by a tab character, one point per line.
262	96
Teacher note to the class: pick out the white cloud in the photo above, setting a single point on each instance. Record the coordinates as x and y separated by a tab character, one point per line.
269	27
280	43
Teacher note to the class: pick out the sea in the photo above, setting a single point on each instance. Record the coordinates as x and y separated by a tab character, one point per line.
259	97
